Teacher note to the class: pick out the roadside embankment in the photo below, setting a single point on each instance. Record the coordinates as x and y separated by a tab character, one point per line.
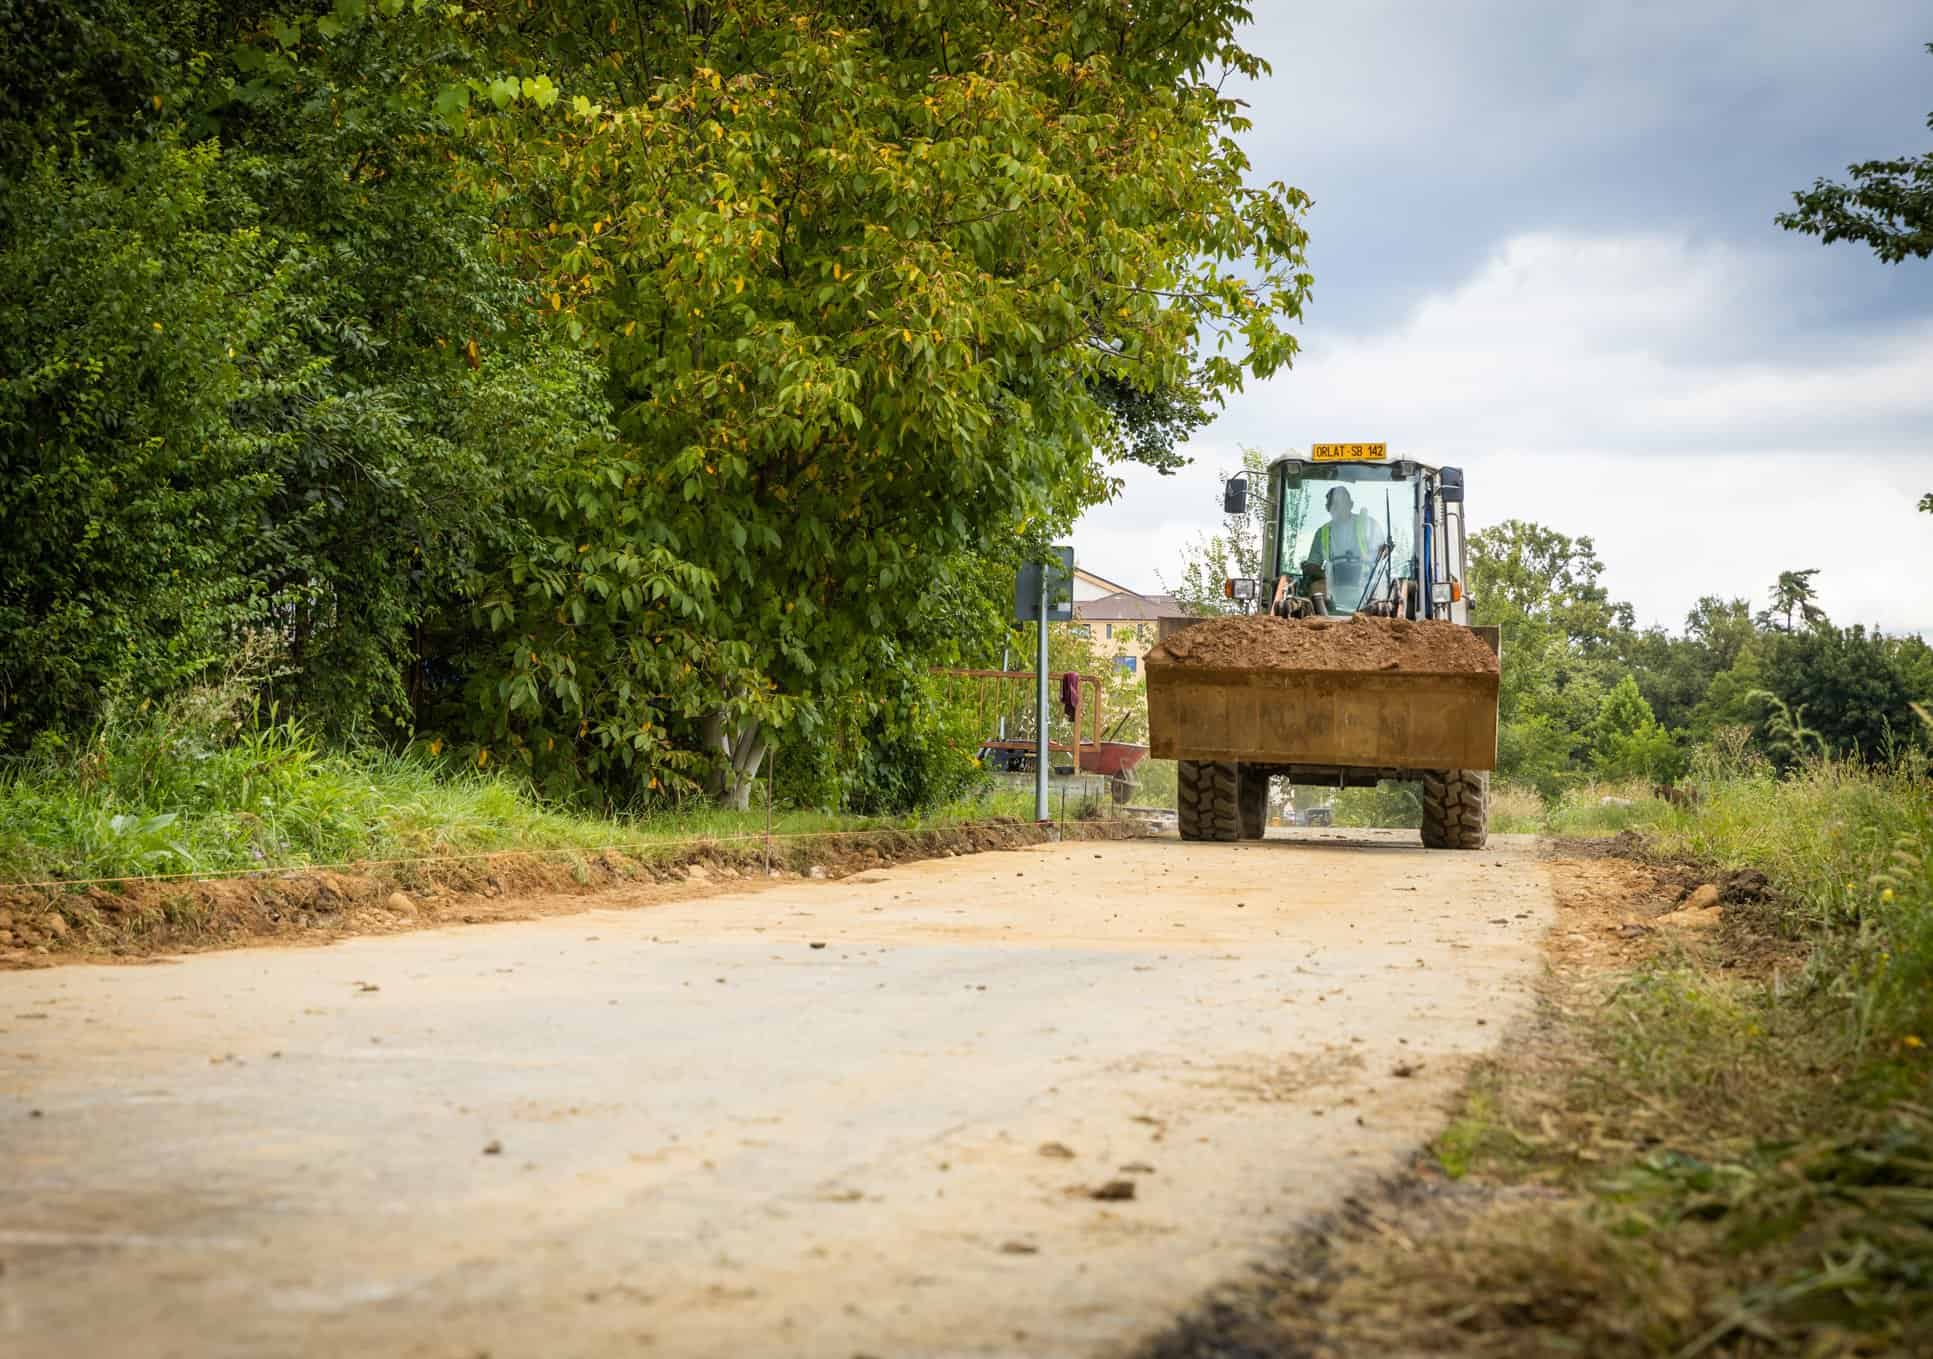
140	917
1716	1137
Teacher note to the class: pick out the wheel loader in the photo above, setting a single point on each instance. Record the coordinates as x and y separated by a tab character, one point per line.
1352	660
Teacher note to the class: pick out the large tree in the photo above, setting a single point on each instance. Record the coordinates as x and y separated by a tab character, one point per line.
1521	572
1562	633
1792	594
1853	689
869	282
605	387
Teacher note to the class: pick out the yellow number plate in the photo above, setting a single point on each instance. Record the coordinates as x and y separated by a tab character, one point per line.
1348	452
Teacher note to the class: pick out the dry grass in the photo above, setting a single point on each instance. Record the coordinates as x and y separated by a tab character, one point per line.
1516	810
1688	1152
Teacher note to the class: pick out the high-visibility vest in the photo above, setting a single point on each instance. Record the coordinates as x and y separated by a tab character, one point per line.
1365	536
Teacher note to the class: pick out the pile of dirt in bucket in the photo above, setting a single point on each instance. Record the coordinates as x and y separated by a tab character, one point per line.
1264	642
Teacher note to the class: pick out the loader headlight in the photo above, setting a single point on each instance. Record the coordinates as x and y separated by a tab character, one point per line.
1243	589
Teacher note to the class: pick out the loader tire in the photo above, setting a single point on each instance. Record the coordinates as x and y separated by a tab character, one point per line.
1252	791
1206	798
1456	809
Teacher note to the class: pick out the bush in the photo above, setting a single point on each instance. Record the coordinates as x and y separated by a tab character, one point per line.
913	753
133	310
1389	803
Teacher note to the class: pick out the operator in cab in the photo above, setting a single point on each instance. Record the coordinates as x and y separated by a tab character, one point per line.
1346	548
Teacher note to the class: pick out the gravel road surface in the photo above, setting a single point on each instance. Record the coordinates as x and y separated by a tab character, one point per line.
860	1117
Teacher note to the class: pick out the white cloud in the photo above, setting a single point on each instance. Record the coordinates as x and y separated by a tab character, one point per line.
1647	391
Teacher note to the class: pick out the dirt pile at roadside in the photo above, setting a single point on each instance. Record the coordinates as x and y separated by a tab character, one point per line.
40	926
1262	641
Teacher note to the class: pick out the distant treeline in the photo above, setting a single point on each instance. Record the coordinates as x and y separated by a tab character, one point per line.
1587	694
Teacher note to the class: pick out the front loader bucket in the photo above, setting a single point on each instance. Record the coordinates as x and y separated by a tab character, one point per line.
1367	693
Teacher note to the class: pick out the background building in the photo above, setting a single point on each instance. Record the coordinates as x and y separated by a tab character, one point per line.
1122	623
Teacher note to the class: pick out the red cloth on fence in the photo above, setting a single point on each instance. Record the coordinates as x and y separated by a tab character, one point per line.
1070	694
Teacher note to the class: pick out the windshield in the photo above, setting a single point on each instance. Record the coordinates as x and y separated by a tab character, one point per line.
1337	517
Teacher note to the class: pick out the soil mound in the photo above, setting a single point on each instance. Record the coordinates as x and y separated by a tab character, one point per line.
1263	641
40	926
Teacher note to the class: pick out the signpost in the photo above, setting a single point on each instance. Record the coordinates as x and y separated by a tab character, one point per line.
1043	594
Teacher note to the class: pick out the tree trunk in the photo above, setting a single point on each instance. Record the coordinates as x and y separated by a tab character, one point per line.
740	751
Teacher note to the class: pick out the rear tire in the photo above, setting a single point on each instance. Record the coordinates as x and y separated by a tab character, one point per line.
1253	795
1207	799
1456	809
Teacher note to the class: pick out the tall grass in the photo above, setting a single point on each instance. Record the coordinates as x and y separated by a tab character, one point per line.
1850	850
213	784
1516	809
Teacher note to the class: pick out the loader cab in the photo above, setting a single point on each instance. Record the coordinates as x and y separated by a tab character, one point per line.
1332	511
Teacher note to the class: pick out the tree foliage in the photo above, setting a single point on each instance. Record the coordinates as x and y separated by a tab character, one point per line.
610	390
1587	694
858	277
1887	205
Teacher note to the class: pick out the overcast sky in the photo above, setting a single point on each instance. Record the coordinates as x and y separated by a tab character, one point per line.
1543	250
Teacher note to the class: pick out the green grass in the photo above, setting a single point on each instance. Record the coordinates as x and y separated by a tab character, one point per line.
1728	1146
1789	1118
199	790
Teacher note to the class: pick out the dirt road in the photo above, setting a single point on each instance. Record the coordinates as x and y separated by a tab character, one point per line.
821	1118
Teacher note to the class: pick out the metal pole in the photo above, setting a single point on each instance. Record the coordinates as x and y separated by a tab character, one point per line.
1006	661
1040	713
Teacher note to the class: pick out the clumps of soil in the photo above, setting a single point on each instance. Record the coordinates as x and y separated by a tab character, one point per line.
1760	931
1357	643
43	926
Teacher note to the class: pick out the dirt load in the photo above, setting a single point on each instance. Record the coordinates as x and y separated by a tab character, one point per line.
1348	693
1264	642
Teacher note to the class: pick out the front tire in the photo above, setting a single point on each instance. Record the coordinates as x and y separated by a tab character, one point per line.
1456	809
1205	800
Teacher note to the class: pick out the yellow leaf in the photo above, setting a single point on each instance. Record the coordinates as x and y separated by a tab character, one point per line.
556	301
436	746
483	756
157	103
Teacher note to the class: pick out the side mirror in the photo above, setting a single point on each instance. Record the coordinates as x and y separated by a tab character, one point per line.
1449	485
1235	496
